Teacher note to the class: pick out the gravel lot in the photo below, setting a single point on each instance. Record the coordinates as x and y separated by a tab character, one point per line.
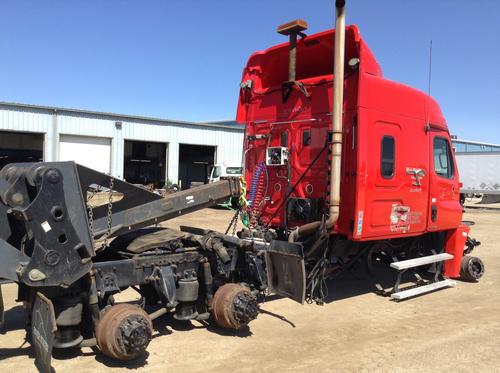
455	329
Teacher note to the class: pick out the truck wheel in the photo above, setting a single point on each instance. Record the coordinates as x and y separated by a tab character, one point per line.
234	306
124	332
471	268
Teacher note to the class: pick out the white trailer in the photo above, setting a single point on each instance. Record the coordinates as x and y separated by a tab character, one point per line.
479	172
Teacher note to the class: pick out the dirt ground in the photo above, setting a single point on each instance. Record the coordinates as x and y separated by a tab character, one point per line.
455	329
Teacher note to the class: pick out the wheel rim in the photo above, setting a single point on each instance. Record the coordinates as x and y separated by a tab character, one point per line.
124	332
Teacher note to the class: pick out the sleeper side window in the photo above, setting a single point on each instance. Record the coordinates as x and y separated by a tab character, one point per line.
284	139
306	138
443	160
388	154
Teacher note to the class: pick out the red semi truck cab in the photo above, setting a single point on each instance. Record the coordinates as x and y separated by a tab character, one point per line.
398	173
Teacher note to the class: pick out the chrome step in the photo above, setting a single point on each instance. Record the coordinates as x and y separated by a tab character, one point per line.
422	289
411	263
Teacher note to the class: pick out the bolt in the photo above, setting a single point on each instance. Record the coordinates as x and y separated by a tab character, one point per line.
53	176
36	275
17	198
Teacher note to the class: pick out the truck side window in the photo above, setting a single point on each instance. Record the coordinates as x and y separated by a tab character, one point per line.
443	161
387	157
306	138
216	171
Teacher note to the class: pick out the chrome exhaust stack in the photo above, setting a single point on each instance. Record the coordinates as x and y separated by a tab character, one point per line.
338	102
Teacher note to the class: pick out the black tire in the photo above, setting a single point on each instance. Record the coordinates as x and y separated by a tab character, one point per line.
471	268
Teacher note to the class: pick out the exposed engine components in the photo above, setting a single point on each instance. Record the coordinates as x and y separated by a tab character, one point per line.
124	331
304	209
471	268
470	243
234	306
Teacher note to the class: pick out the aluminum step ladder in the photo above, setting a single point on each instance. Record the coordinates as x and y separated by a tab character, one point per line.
422	286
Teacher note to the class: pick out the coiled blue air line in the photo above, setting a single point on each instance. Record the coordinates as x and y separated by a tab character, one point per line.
261	166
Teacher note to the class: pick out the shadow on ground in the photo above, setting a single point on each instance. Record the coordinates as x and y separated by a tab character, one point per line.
358	281
167	324
23	350
131	364
15	319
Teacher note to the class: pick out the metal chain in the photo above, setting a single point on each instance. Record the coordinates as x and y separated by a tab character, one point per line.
110	211
234	221
90	209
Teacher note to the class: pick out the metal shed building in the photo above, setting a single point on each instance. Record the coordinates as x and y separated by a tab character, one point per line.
139	149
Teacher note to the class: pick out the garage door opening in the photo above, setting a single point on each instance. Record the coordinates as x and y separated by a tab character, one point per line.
20	147
195	162
92	152
145	163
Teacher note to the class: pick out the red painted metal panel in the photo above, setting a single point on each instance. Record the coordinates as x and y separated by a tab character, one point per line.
444	192
372	207
455	243
397	205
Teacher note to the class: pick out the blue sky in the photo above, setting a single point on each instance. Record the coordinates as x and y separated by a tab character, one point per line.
183	59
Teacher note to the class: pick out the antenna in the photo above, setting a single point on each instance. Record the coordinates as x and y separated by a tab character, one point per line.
427	126
430	69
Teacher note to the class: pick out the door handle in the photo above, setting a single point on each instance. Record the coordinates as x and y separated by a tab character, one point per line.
434	213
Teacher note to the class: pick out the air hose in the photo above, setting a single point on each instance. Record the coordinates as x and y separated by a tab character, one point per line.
257	192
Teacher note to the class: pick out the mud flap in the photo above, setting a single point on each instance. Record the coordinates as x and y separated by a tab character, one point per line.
286	274
43	328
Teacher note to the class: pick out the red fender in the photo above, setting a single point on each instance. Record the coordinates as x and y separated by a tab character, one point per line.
455	243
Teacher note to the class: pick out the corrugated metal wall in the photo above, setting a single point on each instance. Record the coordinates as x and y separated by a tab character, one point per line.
53	122
29	120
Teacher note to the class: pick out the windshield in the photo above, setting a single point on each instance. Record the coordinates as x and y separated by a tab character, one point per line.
216	172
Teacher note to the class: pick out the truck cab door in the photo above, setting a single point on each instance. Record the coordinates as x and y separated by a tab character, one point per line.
394	183
445	211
